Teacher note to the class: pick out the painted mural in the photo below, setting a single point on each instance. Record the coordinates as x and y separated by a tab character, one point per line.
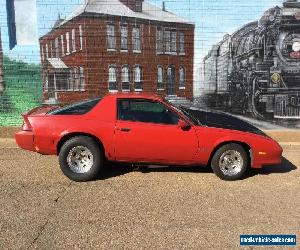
240	57
256	70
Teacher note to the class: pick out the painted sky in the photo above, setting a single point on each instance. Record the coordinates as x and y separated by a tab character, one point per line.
213	19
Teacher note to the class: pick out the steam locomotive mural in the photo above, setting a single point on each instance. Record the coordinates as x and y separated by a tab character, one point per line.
256	70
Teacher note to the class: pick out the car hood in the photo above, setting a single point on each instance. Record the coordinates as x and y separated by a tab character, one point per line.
222	120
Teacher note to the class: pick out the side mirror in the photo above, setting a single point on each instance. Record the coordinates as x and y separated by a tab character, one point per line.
183	125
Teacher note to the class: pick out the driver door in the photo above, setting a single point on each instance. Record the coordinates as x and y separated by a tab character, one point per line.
147	131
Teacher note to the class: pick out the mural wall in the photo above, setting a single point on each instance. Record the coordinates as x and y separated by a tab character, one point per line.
256	69
240	57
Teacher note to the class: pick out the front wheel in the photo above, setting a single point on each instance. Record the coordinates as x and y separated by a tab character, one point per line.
81	158
230	162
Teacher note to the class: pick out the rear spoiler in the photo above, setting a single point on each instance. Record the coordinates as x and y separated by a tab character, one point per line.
42	110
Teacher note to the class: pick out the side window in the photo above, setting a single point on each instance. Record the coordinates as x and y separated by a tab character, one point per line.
146	111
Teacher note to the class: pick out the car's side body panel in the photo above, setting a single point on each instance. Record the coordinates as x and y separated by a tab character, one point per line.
263	150
141	142
147	142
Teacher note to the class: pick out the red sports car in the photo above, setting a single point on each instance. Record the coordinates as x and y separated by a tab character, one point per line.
141	128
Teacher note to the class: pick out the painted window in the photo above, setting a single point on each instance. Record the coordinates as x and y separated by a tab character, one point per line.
62	45
167	37
47	51
112	79
136	38
42	52
45	77
125	78
138	83
76	79
181	77
124	37
51	49
80	37
73	40
138	6
160	77
181	43
56	45
82	81
71	80
68	42
159	40
111	38
173	42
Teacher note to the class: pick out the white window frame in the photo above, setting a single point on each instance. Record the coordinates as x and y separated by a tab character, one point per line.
112	79
124	36
56	47
76	79
47	51
137	39
181	43
159	67
82	79
68	43
111	37
159	40
167	41
170	41
42	52
139	79
182	82
125	77
73	40
173	42
80	37
71	80
62	45
45	82
51	49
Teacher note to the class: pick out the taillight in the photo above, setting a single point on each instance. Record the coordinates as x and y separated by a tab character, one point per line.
26	126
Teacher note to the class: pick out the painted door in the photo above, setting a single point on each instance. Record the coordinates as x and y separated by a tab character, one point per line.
171	81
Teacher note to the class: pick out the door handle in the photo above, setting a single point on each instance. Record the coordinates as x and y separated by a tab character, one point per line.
124	129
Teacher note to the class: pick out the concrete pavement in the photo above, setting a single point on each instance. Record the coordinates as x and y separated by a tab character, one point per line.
161	208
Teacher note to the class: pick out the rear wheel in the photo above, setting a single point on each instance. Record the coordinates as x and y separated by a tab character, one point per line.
230	162
81	158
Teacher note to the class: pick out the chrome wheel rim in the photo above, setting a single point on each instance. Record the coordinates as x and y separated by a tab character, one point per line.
80	159
231	162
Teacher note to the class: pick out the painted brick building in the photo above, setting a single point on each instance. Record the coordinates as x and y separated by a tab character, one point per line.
115	46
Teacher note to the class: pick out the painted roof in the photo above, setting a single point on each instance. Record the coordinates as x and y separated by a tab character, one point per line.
116	8
57	63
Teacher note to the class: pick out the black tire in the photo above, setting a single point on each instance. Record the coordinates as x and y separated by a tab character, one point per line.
234	172
95	159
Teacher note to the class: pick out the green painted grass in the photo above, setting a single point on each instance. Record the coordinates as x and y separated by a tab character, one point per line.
23	91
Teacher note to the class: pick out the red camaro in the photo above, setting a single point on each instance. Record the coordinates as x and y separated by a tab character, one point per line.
140	128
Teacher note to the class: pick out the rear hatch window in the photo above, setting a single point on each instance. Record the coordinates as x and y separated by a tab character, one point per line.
78	108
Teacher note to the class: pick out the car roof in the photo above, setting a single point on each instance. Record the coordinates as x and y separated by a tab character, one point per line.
136	95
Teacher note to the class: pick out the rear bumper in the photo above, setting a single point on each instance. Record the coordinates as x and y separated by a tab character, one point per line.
25	140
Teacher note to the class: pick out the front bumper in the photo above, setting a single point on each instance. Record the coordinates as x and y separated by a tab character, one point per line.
25	140
273	156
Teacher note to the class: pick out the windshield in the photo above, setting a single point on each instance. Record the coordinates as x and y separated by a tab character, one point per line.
183	112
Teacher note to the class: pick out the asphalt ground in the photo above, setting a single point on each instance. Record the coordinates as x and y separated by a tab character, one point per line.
142	208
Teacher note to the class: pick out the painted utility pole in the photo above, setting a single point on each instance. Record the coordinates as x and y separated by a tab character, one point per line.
2	84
